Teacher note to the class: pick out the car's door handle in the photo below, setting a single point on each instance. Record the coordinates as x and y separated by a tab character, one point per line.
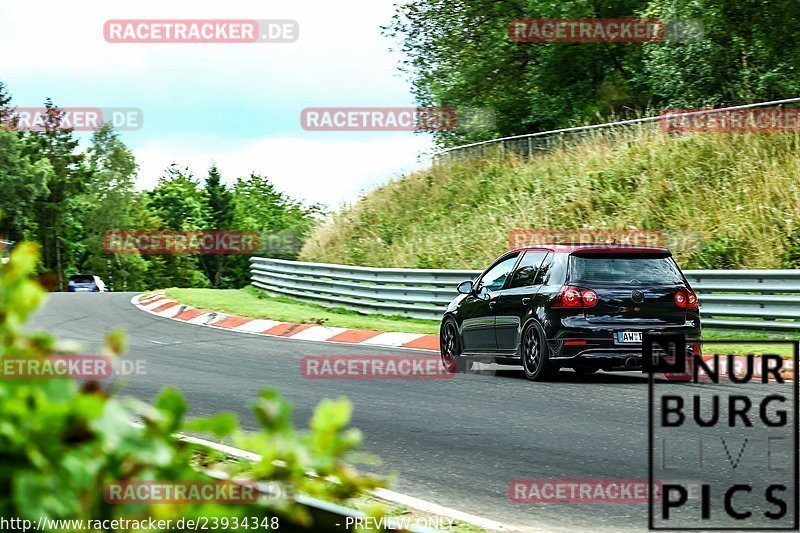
526	301
492	304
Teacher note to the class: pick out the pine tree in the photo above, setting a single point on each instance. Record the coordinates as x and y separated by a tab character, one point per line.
220	202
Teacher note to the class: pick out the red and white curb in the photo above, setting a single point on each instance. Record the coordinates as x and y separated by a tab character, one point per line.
158	304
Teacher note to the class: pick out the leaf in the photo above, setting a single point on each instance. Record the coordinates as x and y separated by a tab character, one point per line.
113	427
171	403
272	412
221	424
332	415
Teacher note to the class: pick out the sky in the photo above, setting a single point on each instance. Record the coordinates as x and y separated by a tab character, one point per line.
236	105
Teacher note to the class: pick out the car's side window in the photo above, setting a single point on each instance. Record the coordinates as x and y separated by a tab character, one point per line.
546	270
529	271
495	278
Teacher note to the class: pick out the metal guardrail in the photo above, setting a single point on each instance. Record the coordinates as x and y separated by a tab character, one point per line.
417	293
748	299
529	144
743	299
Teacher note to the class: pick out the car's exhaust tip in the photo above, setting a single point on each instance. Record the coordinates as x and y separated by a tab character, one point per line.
630	362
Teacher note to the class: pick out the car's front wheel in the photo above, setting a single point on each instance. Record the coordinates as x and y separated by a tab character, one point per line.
533	351
450	348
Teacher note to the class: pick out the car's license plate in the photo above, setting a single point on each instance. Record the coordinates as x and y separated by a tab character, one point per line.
629	337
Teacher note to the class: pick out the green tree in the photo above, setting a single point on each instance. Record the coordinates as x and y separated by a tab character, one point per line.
747	53
220	203
23	179
5	103
459	54
180	204
179	200
281	222
111	203
59	229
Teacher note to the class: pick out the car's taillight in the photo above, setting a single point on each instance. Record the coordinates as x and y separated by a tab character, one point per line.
686	299
693	303
589	297
96	289
575	298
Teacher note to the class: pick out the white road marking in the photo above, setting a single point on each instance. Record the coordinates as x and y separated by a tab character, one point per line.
383	494
257	325
172	311
199	319
392	339
318	333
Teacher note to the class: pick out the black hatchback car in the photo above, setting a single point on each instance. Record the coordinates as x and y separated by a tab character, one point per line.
568	306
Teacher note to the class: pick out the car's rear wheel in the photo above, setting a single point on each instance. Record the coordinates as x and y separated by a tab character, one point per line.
450	349
533	351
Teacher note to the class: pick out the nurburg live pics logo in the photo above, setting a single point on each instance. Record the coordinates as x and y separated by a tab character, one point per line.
735	432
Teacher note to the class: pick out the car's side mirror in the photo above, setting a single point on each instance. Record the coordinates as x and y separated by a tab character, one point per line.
465	287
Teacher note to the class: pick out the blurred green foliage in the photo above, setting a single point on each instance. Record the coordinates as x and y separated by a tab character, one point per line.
61	442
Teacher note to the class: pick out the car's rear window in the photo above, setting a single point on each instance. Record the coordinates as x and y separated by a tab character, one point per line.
629	270
81	279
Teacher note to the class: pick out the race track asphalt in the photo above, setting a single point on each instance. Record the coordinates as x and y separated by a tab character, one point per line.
457	442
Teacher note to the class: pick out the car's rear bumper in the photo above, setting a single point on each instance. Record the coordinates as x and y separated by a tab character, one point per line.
608	358
597	346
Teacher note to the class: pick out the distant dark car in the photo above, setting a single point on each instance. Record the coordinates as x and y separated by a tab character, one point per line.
86	283
568	306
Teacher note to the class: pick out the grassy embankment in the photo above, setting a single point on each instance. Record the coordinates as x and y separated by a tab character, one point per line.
253	303
735	197
722	200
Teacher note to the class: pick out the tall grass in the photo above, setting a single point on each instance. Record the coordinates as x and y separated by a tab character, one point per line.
739	194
